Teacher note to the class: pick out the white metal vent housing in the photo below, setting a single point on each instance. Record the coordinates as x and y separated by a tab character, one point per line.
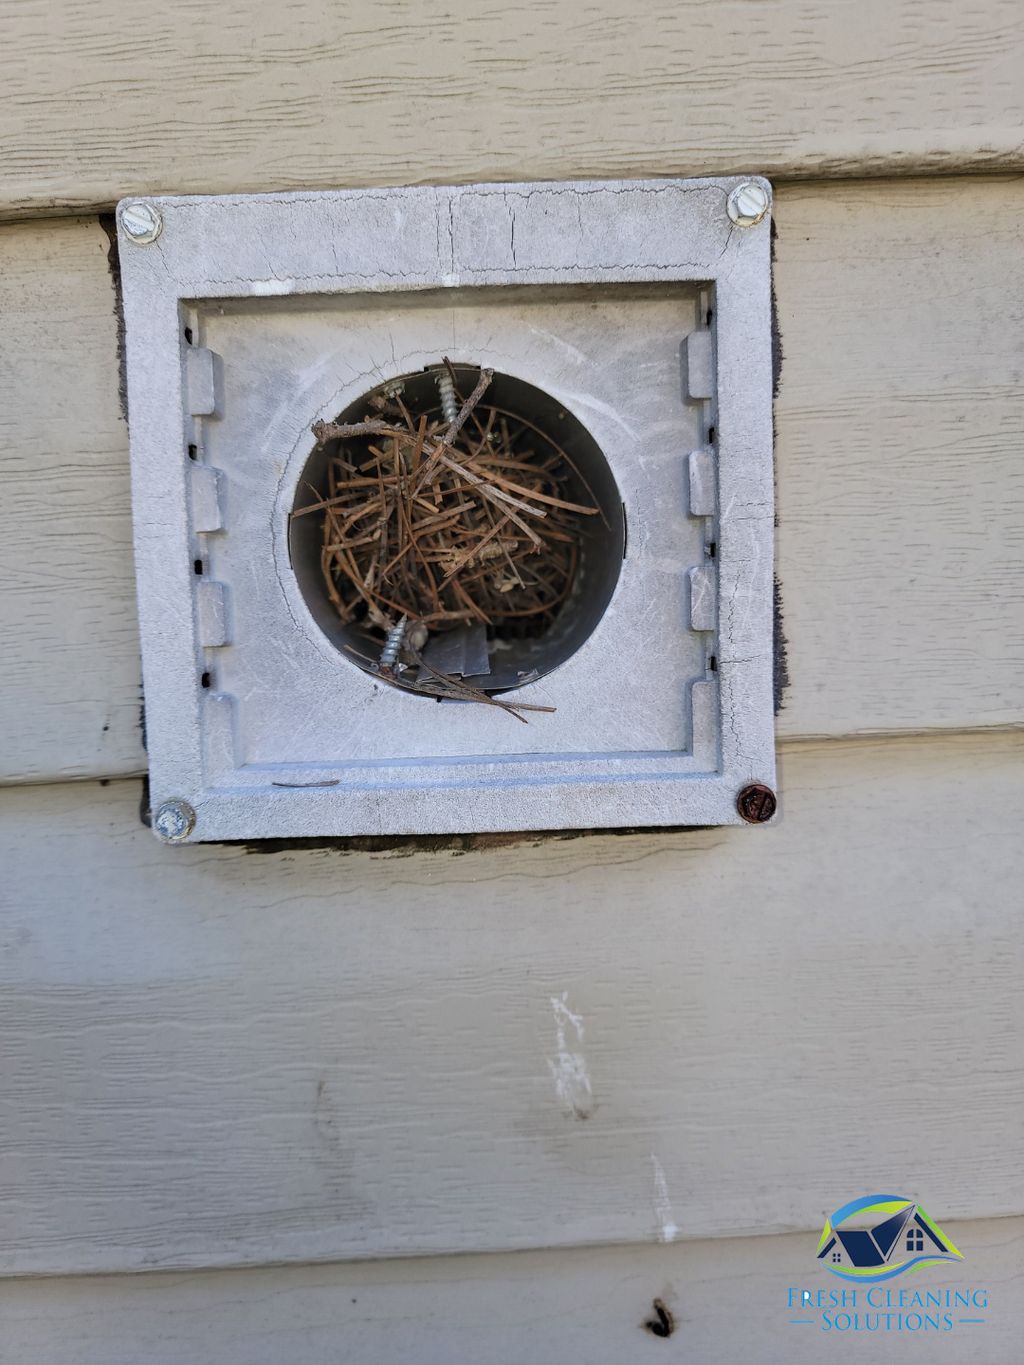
642	308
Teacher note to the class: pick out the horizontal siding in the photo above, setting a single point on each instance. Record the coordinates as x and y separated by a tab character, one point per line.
728	1300
900	422
900	425
218	1057
70	674
196	99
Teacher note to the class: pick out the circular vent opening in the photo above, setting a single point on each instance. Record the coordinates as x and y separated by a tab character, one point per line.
478	560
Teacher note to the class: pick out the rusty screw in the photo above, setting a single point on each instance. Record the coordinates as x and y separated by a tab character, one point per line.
756	803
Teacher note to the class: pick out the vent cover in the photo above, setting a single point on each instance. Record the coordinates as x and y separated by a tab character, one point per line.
604	657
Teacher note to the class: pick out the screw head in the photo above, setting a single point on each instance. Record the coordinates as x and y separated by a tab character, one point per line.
141	223
748	203
174	821
756	803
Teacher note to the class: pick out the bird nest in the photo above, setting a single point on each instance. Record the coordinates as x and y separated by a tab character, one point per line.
448	524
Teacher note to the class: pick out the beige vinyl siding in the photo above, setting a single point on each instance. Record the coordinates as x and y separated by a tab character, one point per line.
728	1300
224	1057
100	101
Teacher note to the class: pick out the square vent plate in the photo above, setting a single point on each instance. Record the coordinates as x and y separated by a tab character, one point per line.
607	502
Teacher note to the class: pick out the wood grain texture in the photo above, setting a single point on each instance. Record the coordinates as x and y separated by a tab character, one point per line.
900	429
69	668
189	98
900	454
728	1299
217	1057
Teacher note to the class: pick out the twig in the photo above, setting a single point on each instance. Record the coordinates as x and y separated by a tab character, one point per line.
446	523
455	427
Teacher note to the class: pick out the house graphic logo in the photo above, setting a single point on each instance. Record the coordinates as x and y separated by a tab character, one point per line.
882	1236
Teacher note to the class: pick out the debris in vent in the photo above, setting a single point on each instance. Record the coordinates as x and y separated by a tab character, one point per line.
449	524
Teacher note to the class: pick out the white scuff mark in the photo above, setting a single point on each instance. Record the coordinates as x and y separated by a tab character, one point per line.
563	1015
668	1229
569	1068
265	287
572	351
588	401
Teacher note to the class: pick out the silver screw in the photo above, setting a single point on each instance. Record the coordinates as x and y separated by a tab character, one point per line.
748	203
389	654
142	222
449	403
174	821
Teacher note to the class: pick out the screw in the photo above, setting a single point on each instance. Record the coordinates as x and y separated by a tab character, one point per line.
748	203
756	803
174	821
142	222
449	403
389	654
